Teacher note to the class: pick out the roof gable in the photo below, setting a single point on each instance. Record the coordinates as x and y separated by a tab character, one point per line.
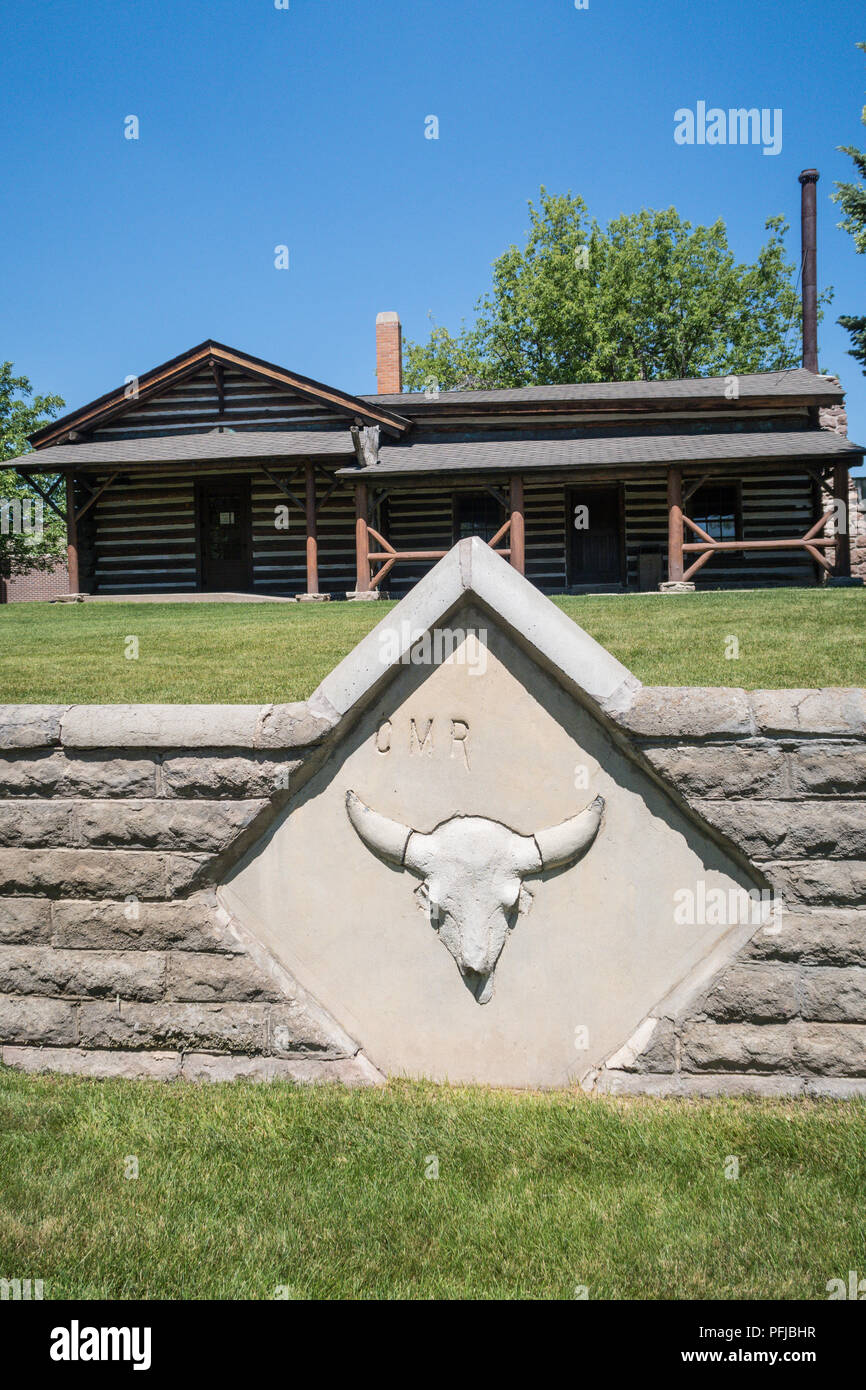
223	366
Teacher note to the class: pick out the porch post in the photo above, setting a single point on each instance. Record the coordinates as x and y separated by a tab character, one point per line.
675	525
842	567
312	534
71	535
517	535
362	539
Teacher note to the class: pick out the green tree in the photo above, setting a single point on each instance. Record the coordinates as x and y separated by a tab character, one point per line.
21	546
851	197
648	297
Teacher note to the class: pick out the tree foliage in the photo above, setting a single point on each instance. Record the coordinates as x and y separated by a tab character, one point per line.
645	298
21	546
851	197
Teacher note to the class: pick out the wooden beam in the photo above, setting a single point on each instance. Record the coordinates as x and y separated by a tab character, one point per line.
312	532
383	572
284	488
795	543
386	545
503	531
46	496
362	540
71	535
518	523
406	554
218	376
819	525
94	497
698	530
819	558
675	524
842	567
698	564
694	487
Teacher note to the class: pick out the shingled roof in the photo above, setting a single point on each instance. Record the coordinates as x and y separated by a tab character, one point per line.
214	446
794	384
447	455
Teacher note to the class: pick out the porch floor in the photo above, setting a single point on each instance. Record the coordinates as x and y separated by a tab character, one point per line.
185	596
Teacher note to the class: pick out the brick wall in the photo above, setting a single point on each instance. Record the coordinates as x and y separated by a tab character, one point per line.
389	354
38	584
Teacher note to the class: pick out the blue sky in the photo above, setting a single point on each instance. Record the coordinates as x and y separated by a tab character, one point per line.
305	127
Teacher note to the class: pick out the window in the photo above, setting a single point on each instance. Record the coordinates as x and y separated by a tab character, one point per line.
477	514
715	510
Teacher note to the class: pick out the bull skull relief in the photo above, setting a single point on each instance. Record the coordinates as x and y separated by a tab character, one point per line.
472	871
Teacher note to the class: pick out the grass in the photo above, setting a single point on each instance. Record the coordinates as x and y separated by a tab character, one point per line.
252	653
245	1188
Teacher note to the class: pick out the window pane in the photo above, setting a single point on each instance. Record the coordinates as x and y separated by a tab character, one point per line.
714	509
478	514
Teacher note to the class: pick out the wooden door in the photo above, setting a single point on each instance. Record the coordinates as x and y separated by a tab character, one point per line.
594	518
224	528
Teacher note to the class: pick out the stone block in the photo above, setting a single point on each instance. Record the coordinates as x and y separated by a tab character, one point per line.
825	937
834	995
834	882
688	712
753	994
79	1061
293	726
790	829
161	726
754	1047
24	920
237	778
828	769
47	1021
719	770
30	726
166	825
195	925
350	1071
832	1049
829	711
42	970
194	1027
77	873
197	976
35	823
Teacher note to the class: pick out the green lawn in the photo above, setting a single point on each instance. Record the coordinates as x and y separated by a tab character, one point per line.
245	1188
250	653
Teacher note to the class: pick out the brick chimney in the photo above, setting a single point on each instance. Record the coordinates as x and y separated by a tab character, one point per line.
389	354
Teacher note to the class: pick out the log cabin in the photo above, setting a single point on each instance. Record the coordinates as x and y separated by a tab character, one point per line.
224	473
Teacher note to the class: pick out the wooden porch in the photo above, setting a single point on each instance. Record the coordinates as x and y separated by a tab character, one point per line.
534	534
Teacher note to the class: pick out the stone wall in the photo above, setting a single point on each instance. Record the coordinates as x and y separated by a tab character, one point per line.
857	527
115	957
835	418
782	773
117	823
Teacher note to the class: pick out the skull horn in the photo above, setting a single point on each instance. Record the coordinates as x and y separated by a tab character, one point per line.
383	836
561	844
